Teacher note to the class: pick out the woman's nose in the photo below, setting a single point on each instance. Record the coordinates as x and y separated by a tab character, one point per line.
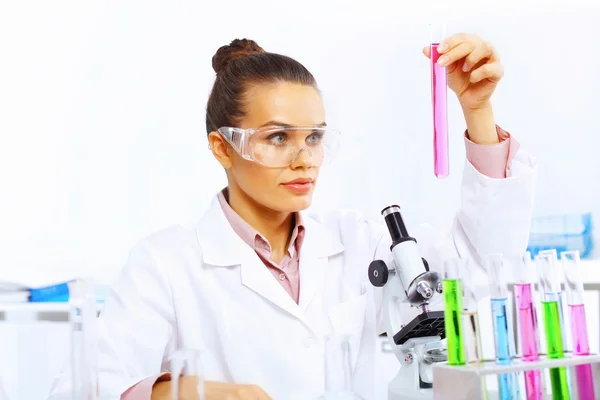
302	159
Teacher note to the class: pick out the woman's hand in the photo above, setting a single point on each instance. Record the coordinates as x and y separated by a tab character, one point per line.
473	66
212	391
474	71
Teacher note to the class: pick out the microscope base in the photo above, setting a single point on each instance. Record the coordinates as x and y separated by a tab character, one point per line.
418	395
407	384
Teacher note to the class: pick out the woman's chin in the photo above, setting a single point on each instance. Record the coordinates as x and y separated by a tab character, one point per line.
296	202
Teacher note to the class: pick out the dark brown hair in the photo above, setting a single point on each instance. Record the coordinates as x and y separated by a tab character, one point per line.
240	64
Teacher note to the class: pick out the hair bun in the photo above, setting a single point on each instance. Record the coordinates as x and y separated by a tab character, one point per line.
238	48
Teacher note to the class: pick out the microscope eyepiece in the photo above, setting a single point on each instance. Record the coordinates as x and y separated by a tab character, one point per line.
395	224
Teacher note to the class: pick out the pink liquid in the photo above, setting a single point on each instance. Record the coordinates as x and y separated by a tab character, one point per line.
439	89
581	347
529	339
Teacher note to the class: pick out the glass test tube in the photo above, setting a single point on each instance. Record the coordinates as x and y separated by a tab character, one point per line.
469	315
338	369
501	318
439	98
523	270
453	308
187	364
84	351
553	326
581	346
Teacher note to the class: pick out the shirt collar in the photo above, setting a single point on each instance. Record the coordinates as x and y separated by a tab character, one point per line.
251	236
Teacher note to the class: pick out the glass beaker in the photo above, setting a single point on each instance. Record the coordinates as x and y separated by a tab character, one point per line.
84	342
338	369
187	374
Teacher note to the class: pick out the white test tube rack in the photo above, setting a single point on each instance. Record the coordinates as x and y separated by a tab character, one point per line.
468	382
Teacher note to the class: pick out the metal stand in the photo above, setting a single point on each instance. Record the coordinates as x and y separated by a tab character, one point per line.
472	377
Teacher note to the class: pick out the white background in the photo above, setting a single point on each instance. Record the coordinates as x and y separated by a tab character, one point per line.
102	113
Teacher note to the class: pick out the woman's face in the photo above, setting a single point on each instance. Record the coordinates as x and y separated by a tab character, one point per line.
278	104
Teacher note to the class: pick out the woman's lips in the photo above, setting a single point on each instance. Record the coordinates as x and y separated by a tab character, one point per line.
299	185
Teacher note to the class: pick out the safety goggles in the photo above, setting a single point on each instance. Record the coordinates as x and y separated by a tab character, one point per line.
280	146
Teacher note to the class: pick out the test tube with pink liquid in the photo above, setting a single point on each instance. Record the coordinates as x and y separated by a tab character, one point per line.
581	345
439	98
525	276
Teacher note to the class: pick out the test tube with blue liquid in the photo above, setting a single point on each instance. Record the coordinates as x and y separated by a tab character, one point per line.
508	383
553	322
581	346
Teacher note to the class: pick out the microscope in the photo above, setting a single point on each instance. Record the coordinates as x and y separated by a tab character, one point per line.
409	283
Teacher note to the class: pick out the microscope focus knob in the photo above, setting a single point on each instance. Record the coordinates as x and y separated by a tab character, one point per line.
378	273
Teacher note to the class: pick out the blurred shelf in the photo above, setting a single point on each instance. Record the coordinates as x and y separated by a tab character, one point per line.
590	273
47	307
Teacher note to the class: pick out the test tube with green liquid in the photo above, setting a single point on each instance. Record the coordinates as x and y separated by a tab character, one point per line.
453	308
548	270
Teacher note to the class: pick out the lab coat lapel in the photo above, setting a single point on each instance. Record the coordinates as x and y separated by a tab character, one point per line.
258	278
318	246
222	247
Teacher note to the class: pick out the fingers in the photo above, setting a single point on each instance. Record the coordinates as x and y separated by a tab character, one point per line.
453	41
456	53
484	50
493	72
472	48
427	51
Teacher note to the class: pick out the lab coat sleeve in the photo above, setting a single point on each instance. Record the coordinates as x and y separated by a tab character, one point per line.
494	217
133	330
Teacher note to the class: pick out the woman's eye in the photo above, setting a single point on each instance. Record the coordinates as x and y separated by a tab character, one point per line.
277	138
315	138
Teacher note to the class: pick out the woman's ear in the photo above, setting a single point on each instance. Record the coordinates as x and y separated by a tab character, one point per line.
220	149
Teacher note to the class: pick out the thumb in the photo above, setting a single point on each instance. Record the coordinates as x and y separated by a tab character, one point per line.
427	51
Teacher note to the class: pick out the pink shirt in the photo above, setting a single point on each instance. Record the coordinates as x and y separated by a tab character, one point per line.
490	160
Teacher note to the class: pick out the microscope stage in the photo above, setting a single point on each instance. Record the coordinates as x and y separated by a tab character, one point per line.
429	323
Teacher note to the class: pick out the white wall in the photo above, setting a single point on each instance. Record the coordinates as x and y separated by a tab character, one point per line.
102	113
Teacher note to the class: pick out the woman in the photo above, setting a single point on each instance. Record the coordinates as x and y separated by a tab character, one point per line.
257	283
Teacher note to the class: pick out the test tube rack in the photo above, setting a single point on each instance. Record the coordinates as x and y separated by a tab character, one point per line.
468	382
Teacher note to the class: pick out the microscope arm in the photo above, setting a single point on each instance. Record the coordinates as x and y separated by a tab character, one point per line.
407	283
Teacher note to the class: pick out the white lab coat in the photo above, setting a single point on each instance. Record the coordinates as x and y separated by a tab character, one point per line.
204	288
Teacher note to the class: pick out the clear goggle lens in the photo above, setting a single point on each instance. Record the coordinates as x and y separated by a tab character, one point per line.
282	146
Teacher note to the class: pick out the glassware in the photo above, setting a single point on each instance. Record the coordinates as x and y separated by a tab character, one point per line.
453	309
84	342
187	364
470	316
338	369
439	98
581	345
501	317
552	311
524	277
